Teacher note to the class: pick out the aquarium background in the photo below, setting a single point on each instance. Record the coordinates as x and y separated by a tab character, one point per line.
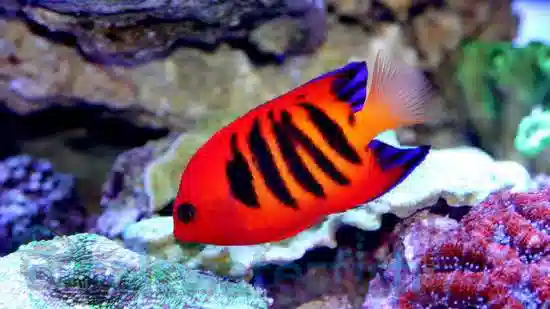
534	15
102	103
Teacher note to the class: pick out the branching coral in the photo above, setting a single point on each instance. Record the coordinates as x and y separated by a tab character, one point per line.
35	178
489	71
498	256
36	200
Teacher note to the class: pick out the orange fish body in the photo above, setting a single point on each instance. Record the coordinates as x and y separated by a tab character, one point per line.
283	166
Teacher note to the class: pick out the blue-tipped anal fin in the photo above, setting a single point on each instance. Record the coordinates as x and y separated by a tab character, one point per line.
350	83
389	157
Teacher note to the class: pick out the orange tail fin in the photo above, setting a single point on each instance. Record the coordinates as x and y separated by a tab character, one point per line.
398	95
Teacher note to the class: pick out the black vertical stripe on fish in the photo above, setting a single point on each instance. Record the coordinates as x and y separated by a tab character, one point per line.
319	158
332	133
263	158
296	165
239	177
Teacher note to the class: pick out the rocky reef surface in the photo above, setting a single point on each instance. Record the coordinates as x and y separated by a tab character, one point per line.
495	252
90	271
132	32
160	92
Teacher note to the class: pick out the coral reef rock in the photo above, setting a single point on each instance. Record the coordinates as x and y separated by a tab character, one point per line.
466	184
498	255
37	72
308	284
435	28
36	202
91	271
126	32
125	199
10	7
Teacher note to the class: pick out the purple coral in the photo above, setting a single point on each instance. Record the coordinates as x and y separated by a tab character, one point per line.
498	256
36	202
35	178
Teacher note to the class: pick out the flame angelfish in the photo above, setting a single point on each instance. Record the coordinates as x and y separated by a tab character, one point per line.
286	164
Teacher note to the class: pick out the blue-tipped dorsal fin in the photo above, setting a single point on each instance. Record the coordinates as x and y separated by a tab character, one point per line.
349	83
389	157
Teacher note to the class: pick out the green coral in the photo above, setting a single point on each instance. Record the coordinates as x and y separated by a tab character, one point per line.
500	84
91	271
490	70
533	135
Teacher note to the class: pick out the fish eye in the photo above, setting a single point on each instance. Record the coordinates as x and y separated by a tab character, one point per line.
186	212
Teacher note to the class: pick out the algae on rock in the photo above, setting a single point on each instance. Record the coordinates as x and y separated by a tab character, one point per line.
91	271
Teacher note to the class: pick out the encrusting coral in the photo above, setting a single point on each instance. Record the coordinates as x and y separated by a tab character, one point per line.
497	256
91	271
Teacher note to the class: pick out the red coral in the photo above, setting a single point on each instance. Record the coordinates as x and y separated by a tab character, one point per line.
499	253
497	257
